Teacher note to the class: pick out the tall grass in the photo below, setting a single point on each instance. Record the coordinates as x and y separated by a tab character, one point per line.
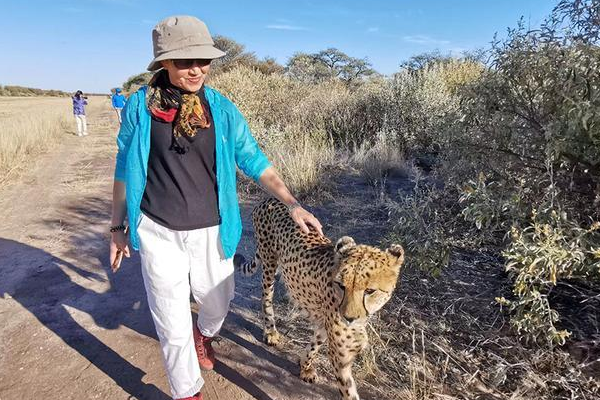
27	127
305	127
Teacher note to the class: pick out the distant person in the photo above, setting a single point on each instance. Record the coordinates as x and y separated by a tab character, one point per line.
118	102
79	103
175	186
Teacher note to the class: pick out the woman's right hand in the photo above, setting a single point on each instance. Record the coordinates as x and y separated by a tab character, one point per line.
119	247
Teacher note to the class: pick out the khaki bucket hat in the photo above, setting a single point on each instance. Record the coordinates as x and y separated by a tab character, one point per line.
179	37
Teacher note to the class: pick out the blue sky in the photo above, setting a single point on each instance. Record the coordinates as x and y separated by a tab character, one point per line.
94	45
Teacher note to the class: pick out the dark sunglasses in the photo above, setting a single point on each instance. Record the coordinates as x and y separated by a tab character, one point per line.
187	63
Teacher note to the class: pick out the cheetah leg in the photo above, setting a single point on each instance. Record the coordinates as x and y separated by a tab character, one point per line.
270	334
307	371
342	360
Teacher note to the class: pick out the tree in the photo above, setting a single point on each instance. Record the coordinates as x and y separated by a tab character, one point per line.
328	64
424	60
236	55
269	66
134	82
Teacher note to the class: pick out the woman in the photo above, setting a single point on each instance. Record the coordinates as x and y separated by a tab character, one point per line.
79	103
175	180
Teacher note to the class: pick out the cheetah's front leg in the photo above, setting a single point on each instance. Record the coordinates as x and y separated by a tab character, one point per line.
307	371
342	358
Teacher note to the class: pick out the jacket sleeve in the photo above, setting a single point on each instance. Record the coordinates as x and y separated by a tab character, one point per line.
248	155
130	120
112	98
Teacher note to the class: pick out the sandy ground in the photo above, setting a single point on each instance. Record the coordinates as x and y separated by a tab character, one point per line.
73	330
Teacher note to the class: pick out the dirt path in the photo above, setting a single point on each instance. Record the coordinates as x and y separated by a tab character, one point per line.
72	330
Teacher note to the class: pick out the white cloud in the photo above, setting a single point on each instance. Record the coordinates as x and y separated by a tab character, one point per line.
424	39
282	27
373	29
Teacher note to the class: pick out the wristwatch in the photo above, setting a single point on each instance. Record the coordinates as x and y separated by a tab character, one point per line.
293	206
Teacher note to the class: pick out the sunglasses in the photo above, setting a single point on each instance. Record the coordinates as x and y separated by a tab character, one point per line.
187	63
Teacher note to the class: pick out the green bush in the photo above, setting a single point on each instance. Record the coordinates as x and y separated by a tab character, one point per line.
551	247
530	128
134	82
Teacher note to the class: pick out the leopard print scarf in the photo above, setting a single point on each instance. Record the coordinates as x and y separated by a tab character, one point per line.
169	104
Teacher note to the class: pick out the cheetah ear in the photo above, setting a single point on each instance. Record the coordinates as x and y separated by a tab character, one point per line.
344	244
397	251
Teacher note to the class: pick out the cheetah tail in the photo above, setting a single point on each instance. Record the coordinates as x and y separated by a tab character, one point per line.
246	268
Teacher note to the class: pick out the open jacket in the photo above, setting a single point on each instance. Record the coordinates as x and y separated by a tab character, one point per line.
234	144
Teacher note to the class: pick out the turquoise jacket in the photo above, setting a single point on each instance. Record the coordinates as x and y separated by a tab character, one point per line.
234	146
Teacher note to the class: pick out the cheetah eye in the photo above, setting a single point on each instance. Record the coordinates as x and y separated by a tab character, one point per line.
370	291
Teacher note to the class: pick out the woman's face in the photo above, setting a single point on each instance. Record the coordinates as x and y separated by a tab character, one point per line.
188	75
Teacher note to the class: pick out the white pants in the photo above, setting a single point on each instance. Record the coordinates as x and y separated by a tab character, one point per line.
173	262
118	111
81	125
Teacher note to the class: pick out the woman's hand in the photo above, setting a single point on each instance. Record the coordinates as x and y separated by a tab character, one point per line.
304	218
276	187
119	247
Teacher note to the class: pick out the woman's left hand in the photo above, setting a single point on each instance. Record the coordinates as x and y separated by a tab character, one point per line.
304	218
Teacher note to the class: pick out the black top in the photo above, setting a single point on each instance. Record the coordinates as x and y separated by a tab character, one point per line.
181	188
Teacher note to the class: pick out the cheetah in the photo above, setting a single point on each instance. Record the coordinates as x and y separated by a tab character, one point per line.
338	285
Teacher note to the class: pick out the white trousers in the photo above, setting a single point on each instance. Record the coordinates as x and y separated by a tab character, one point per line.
81	125
173	263
118	111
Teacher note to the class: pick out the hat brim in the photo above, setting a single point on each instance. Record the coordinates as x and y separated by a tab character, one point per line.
206	52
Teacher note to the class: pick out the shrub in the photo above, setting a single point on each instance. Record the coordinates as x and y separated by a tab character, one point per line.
133	83
531	125
551	247
423	222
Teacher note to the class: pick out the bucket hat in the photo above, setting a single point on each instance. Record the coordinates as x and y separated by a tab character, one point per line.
182	36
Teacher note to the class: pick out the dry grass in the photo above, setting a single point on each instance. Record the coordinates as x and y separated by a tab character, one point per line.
377	160
32	125
426	345
303	129
300	159
29	126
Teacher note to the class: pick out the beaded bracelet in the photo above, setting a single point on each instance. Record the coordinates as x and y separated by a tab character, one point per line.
117	228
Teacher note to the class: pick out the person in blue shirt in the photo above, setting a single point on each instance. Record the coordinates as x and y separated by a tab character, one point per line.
175	197
118	102
79	103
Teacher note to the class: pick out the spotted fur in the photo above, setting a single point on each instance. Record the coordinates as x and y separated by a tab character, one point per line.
338	286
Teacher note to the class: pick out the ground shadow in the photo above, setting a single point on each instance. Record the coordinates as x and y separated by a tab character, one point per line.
41	284
47	285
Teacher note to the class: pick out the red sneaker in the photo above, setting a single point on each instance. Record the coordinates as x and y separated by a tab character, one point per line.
206	354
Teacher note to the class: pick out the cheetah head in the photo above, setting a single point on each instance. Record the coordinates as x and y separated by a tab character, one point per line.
364	278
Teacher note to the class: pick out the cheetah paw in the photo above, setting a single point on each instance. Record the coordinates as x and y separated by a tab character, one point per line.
308	375
272	338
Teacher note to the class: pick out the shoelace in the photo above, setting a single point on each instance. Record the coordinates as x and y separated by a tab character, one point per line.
202	346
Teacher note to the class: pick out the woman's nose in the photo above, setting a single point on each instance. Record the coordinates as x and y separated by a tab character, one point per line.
196	69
